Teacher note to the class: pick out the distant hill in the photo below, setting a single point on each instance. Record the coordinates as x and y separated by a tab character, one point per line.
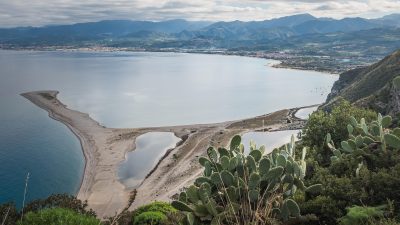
330	26
393	19
370	86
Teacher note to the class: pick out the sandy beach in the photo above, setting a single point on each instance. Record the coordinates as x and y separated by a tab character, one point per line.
105	148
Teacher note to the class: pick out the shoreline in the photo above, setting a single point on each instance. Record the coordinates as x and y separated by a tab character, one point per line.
278	64
105	148
72	129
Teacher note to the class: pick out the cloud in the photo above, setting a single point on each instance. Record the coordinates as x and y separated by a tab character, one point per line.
45	12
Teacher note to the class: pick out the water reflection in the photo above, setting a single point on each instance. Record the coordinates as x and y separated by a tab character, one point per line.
150	148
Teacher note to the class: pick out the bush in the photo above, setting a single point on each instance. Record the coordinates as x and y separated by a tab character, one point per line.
150	218
383	222
321	123
58	216
53	201
156	206
60	201
155	212
358	215
363	171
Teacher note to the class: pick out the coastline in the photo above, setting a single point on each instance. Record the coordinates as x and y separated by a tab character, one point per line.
278	63
105	148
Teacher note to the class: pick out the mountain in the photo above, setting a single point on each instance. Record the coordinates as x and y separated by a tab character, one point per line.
393	19
222	33
285	27
298	41
370	86
330	26
94	30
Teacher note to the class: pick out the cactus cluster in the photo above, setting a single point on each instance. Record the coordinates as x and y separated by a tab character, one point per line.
240	189
375	135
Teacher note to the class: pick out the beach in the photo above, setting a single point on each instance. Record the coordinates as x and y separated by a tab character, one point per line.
105	148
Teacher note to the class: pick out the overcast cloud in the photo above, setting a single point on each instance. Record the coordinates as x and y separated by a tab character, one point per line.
45	12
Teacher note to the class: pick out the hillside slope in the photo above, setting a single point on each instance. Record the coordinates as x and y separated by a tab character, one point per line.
370	86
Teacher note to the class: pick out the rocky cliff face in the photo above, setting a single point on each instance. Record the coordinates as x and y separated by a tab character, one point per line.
370	86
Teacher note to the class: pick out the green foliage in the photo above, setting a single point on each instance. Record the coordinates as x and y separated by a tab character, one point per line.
363	170
60	201
360	215
154	213
396	82
53	201
150	218
335	123
58	216
384	221
240	189
156	206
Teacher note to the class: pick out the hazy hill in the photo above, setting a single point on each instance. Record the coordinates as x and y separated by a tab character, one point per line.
392	19
285	27
370	86
95	30
329	26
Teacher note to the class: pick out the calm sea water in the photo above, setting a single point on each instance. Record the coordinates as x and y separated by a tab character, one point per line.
127	90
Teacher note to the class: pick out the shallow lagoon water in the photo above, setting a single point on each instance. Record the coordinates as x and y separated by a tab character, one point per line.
127	89
270	140
305	112
150	148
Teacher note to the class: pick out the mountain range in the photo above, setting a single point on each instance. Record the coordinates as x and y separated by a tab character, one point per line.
279	28
298	41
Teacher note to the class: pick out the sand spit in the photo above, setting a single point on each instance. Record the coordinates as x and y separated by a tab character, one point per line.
105	148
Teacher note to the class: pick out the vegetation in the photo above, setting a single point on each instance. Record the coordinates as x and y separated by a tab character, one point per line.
359	215
372	86
321	123
153	213
240	189
344	170
360	169
10	215
151	217
58	216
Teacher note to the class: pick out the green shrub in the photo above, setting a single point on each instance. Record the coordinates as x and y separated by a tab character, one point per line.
321	123
156	206
60	201
58	216
384	221
360	215
150	218
363	170
155	212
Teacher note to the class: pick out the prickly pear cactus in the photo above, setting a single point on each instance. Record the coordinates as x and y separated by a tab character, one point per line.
245	189
362	136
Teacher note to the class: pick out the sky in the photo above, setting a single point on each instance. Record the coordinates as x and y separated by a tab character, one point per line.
47	12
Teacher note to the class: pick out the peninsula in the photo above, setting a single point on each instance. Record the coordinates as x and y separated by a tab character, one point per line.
105	148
